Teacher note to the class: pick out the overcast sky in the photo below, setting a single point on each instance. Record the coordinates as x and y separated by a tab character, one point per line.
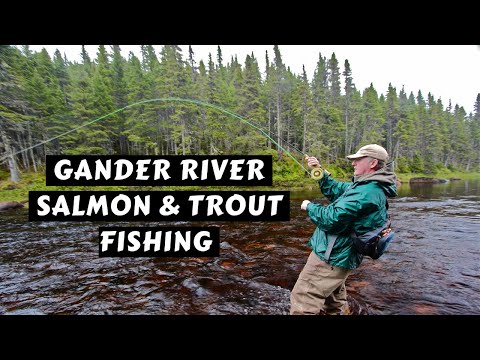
449	72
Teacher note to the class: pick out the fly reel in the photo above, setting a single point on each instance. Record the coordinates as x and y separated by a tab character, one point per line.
317	172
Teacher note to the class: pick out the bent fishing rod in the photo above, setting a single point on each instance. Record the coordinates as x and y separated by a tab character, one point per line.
316	173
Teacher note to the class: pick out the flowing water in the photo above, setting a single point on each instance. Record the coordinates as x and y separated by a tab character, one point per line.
431	267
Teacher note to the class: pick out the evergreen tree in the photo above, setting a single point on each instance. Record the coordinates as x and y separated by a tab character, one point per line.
474	130
219	57
347	109
201	91
278	77
268	99
433	133
172	84
334	80
373	119
82	106
421	125
46	96
60	71
404	134
192	62
152	112
101	134
15	111
137	129
86	61
392	116
320	95
303	110
462	146
119	94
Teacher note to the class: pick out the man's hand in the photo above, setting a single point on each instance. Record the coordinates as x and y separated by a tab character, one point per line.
304	204
312	161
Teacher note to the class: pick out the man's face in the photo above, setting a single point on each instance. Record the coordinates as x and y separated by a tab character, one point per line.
364	165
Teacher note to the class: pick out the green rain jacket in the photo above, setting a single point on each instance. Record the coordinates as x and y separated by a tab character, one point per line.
359	205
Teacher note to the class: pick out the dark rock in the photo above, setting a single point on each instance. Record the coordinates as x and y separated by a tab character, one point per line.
8	205
427	180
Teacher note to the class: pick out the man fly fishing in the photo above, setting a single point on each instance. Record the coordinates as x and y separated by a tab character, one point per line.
360	206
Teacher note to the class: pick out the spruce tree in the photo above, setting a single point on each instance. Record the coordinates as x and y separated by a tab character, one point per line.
101	134
46	96
347	109
15	110
392	117
251	106
373	119
119	94
474	130
334	80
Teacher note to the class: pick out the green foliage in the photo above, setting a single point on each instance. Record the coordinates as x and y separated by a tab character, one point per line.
402	165
429	166
83	150
416	164
4	174
338	172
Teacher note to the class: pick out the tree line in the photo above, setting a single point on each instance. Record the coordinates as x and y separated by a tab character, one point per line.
43	97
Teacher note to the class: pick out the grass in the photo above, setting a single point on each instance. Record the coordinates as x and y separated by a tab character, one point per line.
10	191
443	174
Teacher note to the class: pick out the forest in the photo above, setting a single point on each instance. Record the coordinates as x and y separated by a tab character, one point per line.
46	104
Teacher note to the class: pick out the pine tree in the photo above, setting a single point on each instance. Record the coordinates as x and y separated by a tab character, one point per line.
119	94
152	112
373	119
404	135
15	111
86	61
349	90
251	106
334	80
137	129
320	95
279	88
433	134
172	84
474	130
392	116
462	146
46	96
268	99
100	135
192	62
303	110
60	71
201	91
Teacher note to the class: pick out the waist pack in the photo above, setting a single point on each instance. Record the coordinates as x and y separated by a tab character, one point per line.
375	242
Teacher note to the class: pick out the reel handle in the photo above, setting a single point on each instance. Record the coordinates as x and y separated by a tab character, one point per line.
317	172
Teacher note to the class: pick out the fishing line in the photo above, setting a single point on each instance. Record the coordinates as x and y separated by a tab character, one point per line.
197	102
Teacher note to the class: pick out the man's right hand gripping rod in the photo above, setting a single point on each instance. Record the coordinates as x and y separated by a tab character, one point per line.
317	170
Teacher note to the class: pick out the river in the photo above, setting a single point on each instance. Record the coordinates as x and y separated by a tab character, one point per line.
431	267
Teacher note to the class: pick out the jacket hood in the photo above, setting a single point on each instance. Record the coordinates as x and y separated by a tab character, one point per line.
386	178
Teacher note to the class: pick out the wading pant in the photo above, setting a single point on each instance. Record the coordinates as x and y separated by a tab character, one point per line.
320	289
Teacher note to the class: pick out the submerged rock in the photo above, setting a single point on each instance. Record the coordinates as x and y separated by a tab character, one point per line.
25	312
